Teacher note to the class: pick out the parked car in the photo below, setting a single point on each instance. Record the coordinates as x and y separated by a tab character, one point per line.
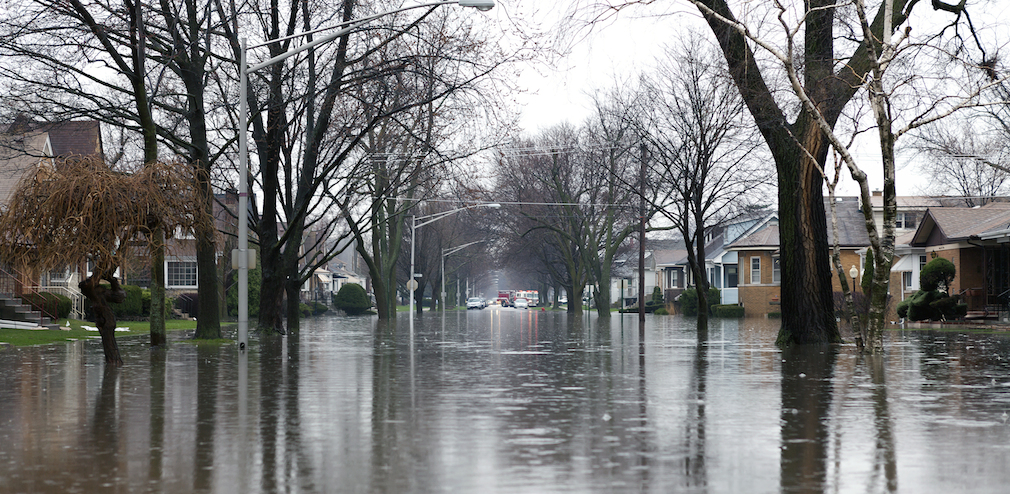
562	300
474	303
521	303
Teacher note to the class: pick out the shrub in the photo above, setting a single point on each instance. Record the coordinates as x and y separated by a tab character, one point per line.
937	274
689	300
727	311
352	299
932	305
661	312
132	306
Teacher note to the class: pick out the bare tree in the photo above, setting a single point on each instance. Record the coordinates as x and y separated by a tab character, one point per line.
883	83
964	159
130	65
705	152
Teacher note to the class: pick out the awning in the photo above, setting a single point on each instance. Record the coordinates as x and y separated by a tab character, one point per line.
324	277
906	263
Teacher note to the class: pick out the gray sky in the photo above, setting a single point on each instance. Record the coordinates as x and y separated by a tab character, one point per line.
622	47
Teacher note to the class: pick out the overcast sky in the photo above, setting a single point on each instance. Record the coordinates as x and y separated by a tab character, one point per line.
622	47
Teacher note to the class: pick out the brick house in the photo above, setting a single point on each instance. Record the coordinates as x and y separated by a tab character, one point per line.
759	287
977	241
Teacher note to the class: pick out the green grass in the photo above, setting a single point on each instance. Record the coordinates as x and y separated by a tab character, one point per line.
29	337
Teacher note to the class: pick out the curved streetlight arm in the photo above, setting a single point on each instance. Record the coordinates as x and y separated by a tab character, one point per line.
453	250
431	218
446	253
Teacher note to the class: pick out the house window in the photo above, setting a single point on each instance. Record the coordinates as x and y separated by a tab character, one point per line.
906	280
755	270
904	220
181	274
731	276
776	271
922	262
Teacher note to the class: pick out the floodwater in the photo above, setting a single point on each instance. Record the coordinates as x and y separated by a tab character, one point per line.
503	401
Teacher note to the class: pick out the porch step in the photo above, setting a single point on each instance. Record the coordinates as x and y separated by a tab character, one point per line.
982	314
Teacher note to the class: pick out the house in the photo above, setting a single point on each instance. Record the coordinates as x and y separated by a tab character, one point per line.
758	256
624	279
721	264
977	241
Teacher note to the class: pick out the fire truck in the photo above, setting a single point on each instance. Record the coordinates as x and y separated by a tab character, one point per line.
506	297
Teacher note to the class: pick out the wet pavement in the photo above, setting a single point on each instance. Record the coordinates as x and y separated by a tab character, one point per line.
505	400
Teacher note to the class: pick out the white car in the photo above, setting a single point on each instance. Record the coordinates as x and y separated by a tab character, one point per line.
474	303
521	303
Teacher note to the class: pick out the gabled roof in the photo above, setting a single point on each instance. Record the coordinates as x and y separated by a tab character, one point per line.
669	257
69	137
851	228
943	225
20	155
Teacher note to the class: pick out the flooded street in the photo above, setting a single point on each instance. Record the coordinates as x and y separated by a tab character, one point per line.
505	400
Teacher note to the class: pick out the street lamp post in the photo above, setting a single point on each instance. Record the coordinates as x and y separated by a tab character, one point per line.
243	254
853	272
447	252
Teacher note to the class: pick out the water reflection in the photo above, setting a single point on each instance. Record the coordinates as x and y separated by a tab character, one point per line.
506	401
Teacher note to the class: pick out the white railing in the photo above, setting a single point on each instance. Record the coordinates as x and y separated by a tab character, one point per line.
75	296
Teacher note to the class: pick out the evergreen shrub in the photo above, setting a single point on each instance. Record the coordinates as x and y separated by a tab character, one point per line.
689	300
352	299
132	306
51	305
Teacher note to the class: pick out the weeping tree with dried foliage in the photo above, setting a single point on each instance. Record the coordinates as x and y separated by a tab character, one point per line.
81	210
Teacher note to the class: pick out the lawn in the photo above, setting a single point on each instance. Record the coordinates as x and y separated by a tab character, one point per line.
28	337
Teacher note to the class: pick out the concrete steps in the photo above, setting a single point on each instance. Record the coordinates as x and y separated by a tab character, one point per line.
13	309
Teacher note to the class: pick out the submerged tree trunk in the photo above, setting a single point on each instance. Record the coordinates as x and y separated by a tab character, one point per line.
159	337
105	320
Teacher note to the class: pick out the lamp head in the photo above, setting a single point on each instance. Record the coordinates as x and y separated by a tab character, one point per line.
481	5
853	271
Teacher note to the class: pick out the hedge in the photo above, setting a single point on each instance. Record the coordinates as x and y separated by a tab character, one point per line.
727	310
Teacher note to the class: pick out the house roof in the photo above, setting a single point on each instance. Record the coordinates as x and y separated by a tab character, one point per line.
908	202
669	257
851	228
69	137
942	225
19	155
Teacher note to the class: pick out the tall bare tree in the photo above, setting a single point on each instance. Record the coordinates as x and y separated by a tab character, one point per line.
142	67
705	152
882	81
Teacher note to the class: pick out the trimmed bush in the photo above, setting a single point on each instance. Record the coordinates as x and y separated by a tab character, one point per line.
931	305
937	275
727	311
133	304
352	299
661	312
689	300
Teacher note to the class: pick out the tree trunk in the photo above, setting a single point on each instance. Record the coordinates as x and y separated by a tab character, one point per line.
105	320
806	292
159	336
